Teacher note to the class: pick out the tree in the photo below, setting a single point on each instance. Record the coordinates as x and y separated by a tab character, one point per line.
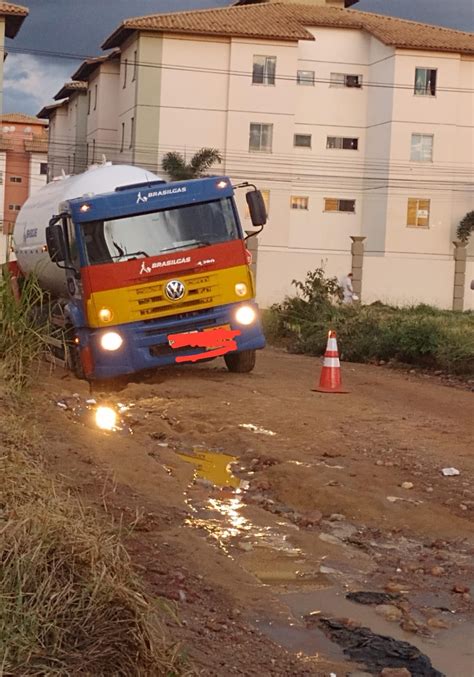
175	165
466	227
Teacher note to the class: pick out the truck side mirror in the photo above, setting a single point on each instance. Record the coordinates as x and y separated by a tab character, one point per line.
257	209
55	241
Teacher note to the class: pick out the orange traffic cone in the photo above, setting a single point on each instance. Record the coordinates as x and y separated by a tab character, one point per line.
330	381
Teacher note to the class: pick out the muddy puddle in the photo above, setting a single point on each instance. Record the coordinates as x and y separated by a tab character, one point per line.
104	416
308	571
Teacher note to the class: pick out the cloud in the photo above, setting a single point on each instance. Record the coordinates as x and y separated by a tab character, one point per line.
30	82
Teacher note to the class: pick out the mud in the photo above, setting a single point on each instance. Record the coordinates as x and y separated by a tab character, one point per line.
256	502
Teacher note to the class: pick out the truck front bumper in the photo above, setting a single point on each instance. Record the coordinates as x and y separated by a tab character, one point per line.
146	345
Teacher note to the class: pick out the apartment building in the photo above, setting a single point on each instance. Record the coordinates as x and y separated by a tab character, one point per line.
358	127
67	130
11	19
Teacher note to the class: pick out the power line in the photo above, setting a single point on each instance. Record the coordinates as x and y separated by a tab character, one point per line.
227	72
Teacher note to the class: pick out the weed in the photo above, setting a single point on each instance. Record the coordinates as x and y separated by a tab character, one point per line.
24	325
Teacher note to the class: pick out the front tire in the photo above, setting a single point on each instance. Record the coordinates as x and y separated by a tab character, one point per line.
241	363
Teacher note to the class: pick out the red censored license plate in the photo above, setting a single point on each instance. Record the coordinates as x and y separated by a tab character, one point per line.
215	341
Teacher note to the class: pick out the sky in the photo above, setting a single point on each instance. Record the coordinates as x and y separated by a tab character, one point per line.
78	27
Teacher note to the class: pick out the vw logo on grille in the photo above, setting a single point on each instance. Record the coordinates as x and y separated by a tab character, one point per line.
175	290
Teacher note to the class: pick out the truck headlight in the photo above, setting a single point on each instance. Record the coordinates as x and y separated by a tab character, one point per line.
245	315
111	341
241	289
105	315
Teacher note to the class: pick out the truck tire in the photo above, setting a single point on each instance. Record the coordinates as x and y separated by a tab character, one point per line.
241	363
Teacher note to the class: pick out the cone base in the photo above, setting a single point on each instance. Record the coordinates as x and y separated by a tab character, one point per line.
336	391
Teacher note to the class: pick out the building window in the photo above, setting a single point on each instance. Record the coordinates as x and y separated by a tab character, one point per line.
93	151
16	179
264	69
89	100
132	131
418	213
299	202
345	80
43	168
425	81
122	142
305	78
421	148
342	143
135	65
125	65
261	137
95	96
14	208
333	204
302	140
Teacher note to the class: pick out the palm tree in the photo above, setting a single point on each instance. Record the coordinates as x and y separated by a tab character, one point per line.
175	165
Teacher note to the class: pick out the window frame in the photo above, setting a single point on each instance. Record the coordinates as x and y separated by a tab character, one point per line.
96	95
303	82
427	92
423	136
135	65
339	200
132	132
122	143
344	85
265	77
295	206
43	173
261	125
125	68
89	101
417	225
16	179
308	136
342	139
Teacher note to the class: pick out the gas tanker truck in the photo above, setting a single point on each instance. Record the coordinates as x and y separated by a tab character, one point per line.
139	273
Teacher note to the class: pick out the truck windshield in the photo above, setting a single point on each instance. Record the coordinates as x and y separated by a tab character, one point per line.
169	230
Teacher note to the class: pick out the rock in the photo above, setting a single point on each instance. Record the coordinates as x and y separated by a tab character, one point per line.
437	571
460	589
202	482
407	485
337	517
437	623
393	586
389	611
311	519
409	626
261	485
246	547
395	672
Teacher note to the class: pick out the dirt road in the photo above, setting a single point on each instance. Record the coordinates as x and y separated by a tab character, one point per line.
328	494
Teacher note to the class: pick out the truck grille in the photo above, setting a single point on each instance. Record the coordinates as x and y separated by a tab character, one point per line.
147	302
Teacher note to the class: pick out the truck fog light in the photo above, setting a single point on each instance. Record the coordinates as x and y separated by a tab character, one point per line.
111	341
240	288
105	315
245	315
105	418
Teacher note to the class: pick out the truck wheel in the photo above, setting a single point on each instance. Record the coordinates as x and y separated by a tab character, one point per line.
241	363
74	359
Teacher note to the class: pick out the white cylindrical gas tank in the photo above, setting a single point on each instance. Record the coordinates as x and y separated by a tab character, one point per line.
29	235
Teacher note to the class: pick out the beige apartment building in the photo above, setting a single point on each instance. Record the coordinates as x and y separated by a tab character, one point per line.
11	19
358	127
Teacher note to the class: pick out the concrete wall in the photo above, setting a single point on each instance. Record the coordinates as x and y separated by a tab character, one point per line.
37	180
58	141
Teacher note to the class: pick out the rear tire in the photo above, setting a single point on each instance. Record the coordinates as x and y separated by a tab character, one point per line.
241	363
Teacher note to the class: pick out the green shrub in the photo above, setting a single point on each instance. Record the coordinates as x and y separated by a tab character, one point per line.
420	335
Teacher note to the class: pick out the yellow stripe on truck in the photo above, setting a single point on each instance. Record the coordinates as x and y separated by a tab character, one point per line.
148	301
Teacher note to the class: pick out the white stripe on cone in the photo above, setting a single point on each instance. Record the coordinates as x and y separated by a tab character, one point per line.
331	362
332	345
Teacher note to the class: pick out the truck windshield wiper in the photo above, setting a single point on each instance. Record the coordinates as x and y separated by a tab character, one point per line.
186	245
120	256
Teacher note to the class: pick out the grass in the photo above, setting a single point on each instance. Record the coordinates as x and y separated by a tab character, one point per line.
420	335
24	328
70	602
